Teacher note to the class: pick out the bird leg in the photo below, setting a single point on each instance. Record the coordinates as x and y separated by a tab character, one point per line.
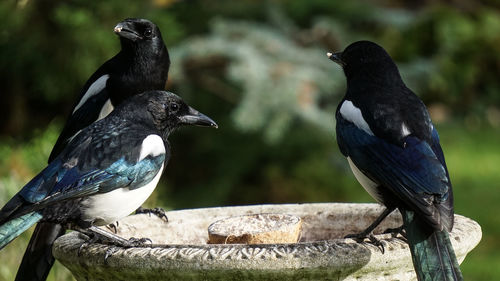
96	234
112	239
159	212
367	233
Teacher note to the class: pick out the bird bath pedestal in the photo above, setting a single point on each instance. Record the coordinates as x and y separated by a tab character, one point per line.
180	250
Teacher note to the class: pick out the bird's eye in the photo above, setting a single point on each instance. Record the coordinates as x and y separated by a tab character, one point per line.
148	33
174	107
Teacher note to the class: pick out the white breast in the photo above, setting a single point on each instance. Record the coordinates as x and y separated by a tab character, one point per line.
93	90
353	114
369	185
109	207
152	145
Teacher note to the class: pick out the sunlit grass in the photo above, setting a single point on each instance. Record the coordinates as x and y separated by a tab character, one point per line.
473	159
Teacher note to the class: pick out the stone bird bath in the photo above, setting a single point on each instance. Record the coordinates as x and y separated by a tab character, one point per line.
180	250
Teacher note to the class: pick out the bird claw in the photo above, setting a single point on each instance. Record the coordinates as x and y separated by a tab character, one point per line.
88	241
109	252
113	227
395	231
130	243
159	212
360	238
376	242
139	242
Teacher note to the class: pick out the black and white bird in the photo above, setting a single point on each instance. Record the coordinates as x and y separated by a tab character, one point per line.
106	171
393	149
141	65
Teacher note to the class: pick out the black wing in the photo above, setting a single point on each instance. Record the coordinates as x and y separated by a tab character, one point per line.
416	173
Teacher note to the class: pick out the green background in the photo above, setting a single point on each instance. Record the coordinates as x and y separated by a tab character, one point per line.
259	69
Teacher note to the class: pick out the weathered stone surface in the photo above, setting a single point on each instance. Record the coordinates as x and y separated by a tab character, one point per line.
180	250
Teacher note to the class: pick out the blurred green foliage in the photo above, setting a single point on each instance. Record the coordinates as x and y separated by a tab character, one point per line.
259	69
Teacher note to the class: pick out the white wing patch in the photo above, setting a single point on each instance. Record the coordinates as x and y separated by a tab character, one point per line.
353	114
105	110
111	206
72	137
151	145
404	130
369	185
93	90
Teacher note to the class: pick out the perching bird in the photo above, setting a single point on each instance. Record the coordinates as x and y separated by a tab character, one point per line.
106	171
393	149
141	65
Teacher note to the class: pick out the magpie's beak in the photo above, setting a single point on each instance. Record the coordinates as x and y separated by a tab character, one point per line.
193	117
125	29
336	57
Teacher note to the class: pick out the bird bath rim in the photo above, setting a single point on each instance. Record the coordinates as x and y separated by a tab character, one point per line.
320	254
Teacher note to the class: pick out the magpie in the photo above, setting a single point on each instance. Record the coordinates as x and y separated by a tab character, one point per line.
393	149
106	171
141	65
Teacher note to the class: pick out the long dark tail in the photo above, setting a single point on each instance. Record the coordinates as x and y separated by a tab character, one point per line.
13	228
38	259
431	251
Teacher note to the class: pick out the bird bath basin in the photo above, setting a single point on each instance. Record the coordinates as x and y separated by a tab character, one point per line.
180	250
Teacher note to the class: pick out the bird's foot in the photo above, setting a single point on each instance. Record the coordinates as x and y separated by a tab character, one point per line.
368	232
376	242
113	227
109	252
89	239
159	212
97	235
397	231
115	240
130	243
360	238
138	242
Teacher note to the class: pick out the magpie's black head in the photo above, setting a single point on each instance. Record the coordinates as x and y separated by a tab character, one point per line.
169	111
365	58
138	31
